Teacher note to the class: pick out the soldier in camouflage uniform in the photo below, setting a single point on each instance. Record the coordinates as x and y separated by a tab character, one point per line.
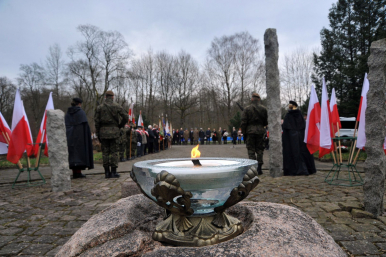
122	144
253	120
109	118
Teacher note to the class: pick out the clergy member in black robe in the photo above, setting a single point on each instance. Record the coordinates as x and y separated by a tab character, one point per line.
79	142
297	160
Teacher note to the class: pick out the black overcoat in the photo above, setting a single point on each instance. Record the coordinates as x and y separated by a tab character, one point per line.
79	142
297	160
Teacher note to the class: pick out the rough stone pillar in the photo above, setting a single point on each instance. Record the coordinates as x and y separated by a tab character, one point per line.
274	104
375	165
57	151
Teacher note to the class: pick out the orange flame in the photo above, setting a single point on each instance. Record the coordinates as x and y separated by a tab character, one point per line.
195	153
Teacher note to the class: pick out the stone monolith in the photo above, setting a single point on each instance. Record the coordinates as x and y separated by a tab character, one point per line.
375	165
273	102
57	151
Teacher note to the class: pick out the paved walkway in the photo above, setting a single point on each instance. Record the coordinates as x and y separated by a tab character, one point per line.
37	222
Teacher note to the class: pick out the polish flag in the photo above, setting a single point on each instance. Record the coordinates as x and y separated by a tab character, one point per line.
361	139
42	135
140	120
5	135
335	120
326	145
131	113
21	139
312	134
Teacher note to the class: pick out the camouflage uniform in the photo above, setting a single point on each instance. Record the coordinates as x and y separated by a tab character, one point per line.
253	120
129	134
122	143
107	126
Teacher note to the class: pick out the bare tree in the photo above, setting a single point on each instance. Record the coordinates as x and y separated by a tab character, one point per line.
296	74
187	82
32	81
55	69
7	93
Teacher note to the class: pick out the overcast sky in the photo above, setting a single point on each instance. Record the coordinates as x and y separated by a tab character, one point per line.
29	27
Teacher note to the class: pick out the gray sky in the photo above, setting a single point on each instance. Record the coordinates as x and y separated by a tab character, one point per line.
29	27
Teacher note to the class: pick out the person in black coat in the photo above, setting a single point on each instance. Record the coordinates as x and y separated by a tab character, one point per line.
191	136
151	139
297	160
201	134
180	136
207	135
234	136
156	134
79	141
139	141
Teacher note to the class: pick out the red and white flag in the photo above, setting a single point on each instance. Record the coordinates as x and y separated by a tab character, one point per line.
21	139
384	146
5	135
326	145
42	135
131	113
140	120
312	134
361	118
335	120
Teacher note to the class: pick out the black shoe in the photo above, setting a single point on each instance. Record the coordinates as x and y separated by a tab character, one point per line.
80	175
259	171
114	173
107	172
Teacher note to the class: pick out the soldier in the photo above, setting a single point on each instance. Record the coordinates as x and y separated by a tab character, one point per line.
122	144
253	120
107	117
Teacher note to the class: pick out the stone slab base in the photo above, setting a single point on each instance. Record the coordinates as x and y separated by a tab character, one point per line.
125	229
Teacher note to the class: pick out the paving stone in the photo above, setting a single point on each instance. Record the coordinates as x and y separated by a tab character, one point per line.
328	207
382	246
348	206
11	231
360	247
342	236
356	213
371	237
13	249
46	239
38	249
68	217
342	214
5	239
54	251
365	228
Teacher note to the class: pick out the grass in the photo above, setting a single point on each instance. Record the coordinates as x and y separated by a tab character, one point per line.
345	155
44	161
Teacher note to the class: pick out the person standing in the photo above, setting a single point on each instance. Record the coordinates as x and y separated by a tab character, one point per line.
151	139
195	136
181	136
186	136
214	136
253	121
297	160
144	141
234	136
156	134
239	135
207	135
79	142
191	136
138	133
201	134
131	144
225	136
219	135
109	118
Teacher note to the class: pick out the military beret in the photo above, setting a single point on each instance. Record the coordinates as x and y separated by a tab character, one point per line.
256	95
77	100
293	103
109	93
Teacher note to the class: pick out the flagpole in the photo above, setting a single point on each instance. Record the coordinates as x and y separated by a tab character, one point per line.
340	147
5	135
39	151
337	156
352	149
131	130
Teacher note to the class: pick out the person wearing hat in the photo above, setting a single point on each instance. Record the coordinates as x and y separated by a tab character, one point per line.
110	117
297	160
79	141
253	121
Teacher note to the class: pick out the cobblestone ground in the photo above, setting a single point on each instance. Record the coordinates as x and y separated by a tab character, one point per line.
37	222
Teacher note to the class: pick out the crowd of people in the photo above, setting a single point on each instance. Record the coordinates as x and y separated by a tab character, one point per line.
195	136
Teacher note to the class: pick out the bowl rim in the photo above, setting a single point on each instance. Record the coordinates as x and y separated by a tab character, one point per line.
150	163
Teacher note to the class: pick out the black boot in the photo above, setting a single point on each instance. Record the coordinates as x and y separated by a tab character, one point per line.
114	173
259	171
107	172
